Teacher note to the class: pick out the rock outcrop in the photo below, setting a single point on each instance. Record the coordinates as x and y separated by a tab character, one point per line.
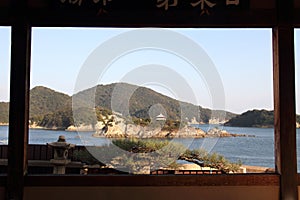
120	129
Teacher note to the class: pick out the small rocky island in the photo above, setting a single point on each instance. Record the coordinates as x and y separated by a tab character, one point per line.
186	132
114	126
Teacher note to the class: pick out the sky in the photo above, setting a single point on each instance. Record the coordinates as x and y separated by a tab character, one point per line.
242	58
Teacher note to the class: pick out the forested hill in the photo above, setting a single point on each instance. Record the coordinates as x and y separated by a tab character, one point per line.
44	100
49	108
256	118
141	100
253	118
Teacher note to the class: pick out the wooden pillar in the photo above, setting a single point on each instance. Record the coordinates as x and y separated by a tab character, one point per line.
19	104
284	101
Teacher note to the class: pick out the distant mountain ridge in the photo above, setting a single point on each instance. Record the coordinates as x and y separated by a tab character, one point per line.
253	118
44	100
141	99
256	118
49	108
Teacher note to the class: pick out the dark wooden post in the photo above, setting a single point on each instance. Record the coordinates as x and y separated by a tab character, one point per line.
284	101
19	102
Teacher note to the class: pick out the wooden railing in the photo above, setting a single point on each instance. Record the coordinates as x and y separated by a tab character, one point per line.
44	153
38	152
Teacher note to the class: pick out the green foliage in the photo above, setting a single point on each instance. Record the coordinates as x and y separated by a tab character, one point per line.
172	125
163	153
298	118
44	101
140	154
85	156
140	145
4	109
141	121
103	111
168	125
141	100
254	118
85	116
104	116
59	120
214	160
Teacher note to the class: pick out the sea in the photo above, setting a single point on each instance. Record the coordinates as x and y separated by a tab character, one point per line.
257	149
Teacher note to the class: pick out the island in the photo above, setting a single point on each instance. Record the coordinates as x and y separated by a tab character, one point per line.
54	110
256	118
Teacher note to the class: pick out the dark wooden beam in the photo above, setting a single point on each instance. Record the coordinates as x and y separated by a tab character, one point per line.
250	13
119	13
296	17
19	103
18	109
154	180
246	19
284	101
4	17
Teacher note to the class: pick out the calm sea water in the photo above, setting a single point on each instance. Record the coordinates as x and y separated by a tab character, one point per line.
257	151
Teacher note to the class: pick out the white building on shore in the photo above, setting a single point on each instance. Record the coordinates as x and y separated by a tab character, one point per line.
160	117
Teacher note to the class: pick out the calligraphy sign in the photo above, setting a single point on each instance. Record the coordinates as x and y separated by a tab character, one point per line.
141	13
202	7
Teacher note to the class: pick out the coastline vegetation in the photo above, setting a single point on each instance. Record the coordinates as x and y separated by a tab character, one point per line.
4	107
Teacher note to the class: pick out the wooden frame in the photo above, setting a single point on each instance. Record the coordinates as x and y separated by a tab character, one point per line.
284	100
281	20
154	180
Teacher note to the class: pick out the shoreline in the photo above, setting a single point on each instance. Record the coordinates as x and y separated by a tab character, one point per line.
141	133
243	168
163	137
88	130
258	169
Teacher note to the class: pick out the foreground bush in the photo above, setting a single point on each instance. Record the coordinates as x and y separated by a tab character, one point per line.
144	155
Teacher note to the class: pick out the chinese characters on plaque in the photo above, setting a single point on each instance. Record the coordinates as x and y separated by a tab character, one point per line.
203	5
79	2
165	3
232	2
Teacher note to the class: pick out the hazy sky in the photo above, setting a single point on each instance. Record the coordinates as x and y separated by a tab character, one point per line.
242	57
